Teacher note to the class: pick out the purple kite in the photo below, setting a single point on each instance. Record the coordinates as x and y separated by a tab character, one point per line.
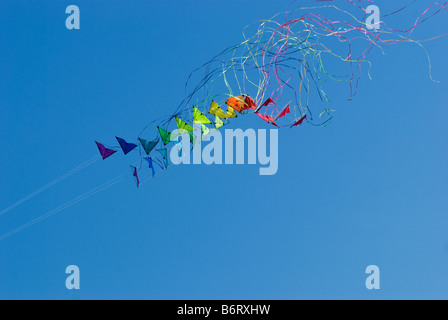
135	174
105	152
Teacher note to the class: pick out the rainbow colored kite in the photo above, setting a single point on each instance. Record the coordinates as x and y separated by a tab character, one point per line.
278	73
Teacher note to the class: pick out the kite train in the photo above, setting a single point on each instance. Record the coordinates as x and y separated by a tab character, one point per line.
278	74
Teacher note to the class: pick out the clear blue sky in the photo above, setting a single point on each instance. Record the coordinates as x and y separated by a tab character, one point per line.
371	188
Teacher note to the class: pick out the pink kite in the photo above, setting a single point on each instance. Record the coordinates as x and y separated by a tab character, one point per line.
298	123
284	113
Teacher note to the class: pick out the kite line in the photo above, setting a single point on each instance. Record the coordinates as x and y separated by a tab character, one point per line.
50	213
52	183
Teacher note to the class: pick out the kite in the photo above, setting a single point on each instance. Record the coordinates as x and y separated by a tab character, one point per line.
183	127
105	152
135	174
267	102
164	153
216	110
289	60
237	103
165	135
282	61
250	103
199	117
218	122
126	147
284	112
148	146
298	123
151	165
266	118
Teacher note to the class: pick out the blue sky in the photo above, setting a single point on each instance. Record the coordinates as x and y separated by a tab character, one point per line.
368	189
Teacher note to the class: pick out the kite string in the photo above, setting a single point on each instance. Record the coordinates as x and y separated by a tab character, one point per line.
52	183
64	206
